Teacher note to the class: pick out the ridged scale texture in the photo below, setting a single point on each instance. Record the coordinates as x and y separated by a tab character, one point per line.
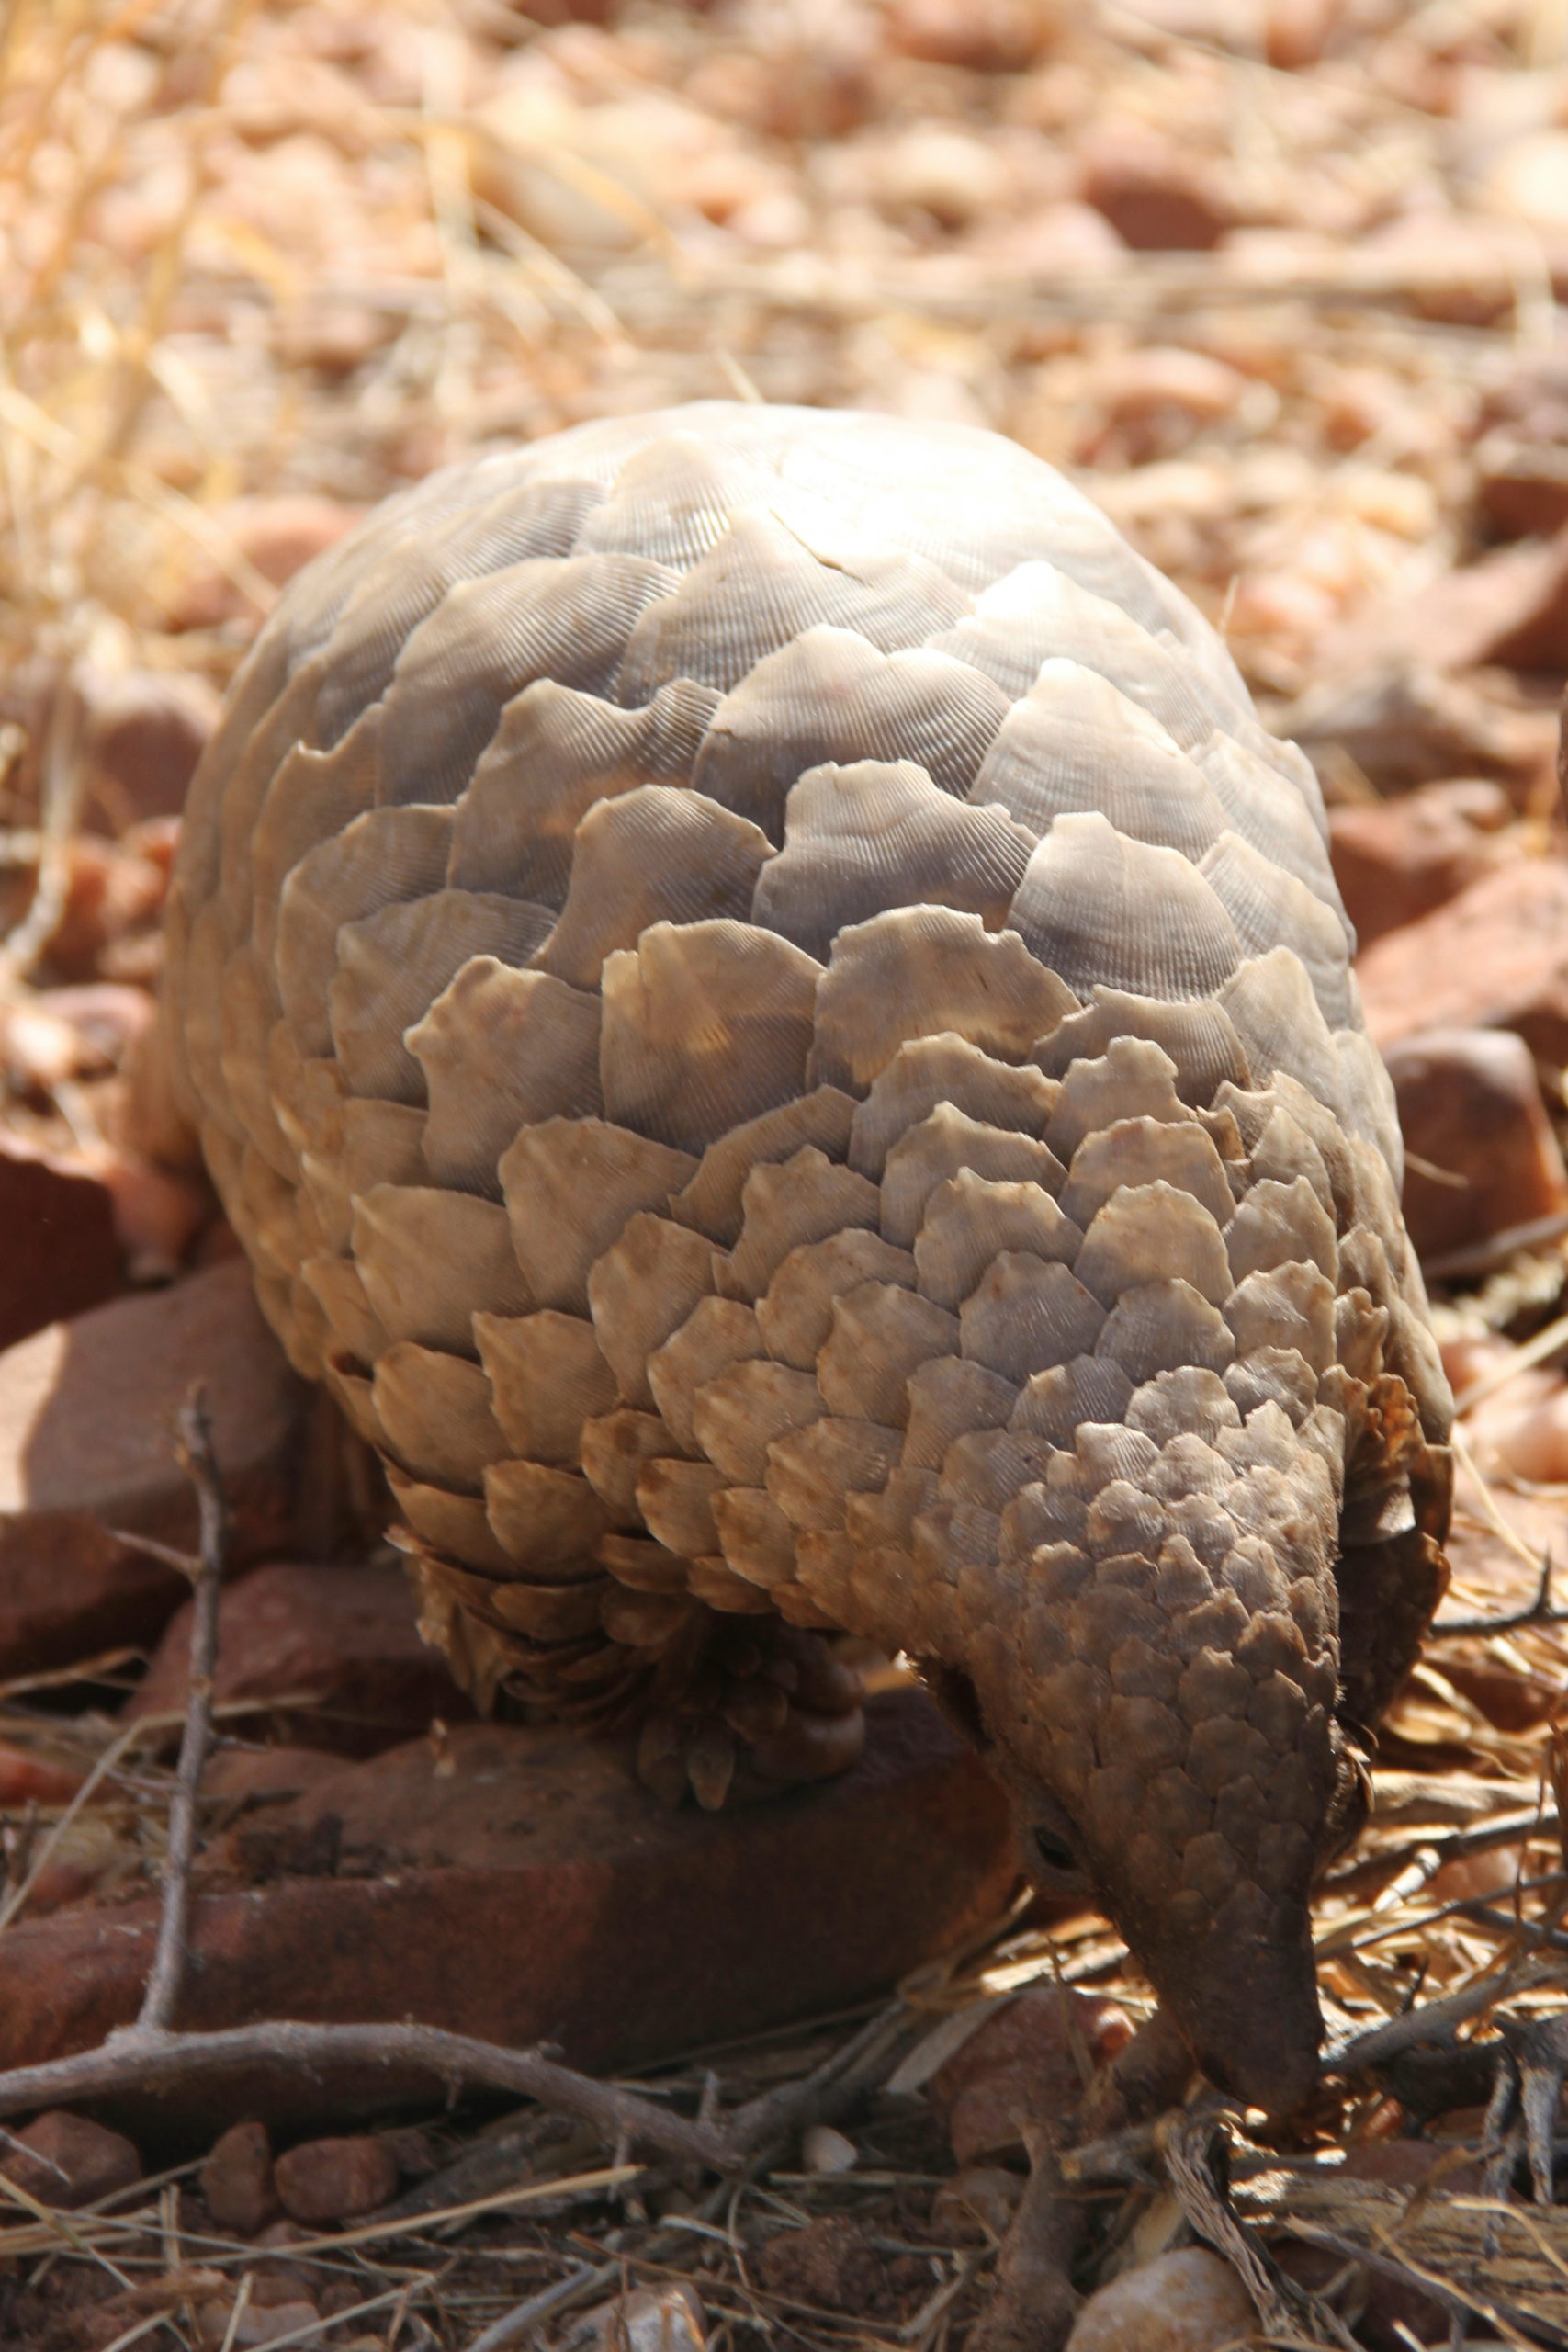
777	1030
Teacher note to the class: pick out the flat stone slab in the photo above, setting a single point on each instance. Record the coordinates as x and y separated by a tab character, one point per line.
517	1884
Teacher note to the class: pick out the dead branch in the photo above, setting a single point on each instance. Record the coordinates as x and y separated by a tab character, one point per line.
134	2059
167	1972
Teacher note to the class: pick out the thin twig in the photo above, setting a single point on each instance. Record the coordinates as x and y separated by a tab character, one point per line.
169	1956
1541	1610
516	2322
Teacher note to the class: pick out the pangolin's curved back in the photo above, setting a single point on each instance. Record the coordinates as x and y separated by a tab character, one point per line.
777	1029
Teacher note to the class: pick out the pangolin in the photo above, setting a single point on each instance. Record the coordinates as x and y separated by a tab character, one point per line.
779	1032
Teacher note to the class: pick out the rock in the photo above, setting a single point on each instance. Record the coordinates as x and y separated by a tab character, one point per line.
1402	723
66	2160
69	1589
332	2180
1521	452
144	733
28	1778
985	36
977	2206
1532	1440
267	1772
1509	609
1521	486
278	537
517	1884
111	894
61	1255
1021	2066
1395	860
824	2149
1156	196
1495	957
87	1410
157	1213
237	2180
347	1635
1470	1105
945	172
1189	2302
1148	404
651	2319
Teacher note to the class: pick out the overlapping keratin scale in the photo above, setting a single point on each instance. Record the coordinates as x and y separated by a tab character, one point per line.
761	963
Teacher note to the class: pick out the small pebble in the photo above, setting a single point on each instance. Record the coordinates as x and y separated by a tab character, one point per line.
1189	2302
332	2180
237	2182
65	2160
824	2149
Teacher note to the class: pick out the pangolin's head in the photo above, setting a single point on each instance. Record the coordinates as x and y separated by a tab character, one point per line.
1167	1728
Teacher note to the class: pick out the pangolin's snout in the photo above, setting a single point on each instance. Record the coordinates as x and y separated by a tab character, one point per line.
1247	2009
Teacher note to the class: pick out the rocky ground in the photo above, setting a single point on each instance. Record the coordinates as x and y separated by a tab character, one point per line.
1279	282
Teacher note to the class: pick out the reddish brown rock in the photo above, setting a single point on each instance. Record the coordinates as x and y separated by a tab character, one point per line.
157	1214
145	731
1395	860
1522	486
1510	608
1157	198
278	537
347	1635
26	1778
87	1411
1022	2066
331	2180
60	1253
515	1883
69	1589
68	2161
1403	722
111	894
237	2180
1471	1108
985	36
1495	957
246	1772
